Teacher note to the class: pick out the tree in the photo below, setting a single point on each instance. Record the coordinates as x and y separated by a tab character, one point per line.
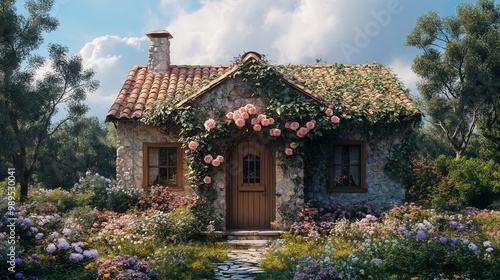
28	107
460	67
78	146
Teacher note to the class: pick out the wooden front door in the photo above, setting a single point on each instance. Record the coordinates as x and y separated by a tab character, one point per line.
251	186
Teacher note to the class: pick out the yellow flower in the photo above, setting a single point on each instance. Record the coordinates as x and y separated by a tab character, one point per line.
85	243
370	277
107	275
88	266
456	276
414	278
362	273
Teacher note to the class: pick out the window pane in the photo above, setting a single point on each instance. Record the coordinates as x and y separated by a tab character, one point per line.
172	157
163	157
163	176
153	176
337	176
354	176
354	154
337	155
172	175
345	154
257	169
251	169
153	157
245	168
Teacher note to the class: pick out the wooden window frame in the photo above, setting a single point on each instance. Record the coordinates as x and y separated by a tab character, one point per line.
145	169
362	168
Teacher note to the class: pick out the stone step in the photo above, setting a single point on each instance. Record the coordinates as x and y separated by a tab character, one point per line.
248	239
248	244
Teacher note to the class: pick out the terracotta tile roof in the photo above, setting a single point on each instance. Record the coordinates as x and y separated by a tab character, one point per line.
360	88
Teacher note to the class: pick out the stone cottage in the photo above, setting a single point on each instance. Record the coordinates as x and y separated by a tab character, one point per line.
256	127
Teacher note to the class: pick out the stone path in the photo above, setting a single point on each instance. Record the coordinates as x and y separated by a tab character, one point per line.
242	264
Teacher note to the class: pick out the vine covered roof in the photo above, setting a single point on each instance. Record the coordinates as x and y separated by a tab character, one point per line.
366	89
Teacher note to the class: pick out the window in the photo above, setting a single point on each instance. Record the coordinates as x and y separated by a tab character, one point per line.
251	169
162	164
347	167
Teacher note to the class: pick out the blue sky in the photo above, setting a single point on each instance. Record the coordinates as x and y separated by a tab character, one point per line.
110	34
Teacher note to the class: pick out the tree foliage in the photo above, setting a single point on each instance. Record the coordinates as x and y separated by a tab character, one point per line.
77	147
28	107
460	66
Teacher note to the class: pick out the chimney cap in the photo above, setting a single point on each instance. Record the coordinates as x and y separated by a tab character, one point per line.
159	34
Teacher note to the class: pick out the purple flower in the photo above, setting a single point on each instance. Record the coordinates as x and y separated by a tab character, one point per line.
39	235
453	224
51	248
402	229
63	244
443	239
35	256
54	235
33	278
75	257
35	230
488	244
407	233
420	235
91	253
66	231
19	276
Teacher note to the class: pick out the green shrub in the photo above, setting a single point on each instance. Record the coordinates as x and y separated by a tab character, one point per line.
62	199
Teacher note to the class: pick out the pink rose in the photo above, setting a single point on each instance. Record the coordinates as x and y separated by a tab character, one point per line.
264	122
249	106
257	127
289	151
193	145
261	117
277	132
208	158
295	175
230	115
220	158
252	111
271	120
293	145
243	110
207	180
294	125
237	115
329	112
314	122
330	106
255	121
335	119
240	122
287	125
209	124
271	131
215	162
245	115
302	132
310	125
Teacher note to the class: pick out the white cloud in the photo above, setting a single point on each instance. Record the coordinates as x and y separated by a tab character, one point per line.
111	57
402	68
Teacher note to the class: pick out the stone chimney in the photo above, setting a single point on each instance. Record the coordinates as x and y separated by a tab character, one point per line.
159	51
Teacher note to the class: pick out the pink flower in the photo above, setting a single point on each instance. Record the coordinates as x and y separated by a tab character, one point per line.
335	119
245	115
329	112
271	131
287	125
289	151
209	124
257	127
207	180
295	175
294	125
255	121
252	111
310	125
330	106
237	115
261	117
220	158
249	106
314	122
302	132
293	145
215	162
193	145
243	110
277	132
264	122
240	122
230	115
271	121
208	158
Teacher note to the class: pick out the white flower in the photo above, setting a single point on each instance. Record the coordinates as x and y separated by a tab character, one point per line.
488	244
327	259
376	261
51	248
472	246
91	253
66	231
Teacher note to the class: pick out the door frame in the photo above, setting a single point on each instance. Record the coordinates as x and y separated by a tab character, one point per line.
270	154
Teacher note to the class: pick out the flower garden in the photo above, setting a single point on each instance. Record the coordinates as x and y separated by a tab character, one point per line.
153	235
